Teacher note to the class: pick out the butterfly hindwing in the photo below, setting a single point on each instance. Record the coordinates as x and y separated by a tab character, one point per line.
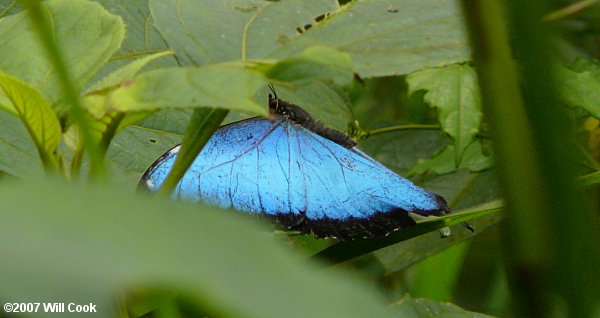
302	180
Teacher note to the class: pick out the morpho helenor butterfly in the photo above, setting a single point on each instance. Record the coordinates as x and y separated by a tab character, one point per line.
305	176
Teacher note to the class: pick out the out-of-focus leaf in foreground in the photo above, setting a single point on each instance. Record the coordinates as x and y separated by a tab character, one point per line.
90	244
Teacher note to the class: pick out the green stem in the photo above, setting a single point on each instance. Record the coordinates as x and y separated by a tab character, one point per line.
44	29
203	123
76	161
110	132
401	128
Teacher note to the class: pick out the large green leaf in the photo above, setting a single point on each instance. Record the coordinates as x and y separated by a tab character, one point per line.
37	116
380	40
580	85
388	37
454	91
86	32
211	31
95	244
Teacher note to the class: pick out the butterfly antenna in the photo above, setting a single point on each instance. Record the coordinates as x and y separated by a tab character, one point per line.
273	101
272	88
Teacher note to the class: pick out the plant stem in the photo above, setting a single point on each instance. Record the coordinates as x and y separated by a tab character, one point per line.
401	128
203	123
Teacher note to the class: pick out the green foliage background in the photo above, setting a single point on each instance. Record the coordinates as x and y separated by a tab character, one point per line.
92	92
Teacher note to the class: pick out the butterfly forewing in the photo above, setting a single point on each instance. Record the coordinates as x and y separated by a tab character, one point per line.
279	169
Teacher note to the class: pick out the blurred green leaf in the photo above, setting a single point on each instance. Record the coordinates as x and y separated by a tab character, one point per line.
436	276
424	308
580	85
209	32
384	42
86	32
191	87
551	247
94	243
37	116
454	91
473	160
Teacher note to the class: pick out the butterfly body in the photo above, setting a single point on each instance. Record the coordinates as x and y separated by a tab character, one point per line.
299	116
303	180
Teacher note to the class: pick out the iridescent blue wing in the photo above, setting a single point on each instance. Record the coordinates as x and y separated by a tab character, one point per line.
303	181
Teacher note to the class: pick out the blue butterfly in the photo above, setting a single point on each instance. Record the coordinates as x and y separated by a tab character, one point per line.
305	176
